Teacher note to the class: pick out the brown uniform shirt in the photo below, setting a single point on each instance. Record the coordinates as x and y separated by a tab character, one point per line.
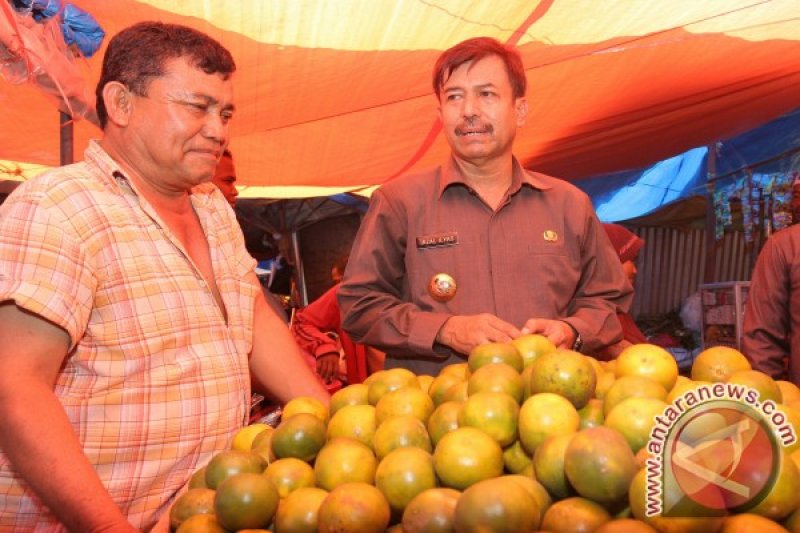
772	314
542	254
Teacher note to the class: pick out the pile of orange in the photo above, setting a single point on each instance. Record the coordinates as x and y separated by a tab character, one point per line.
520	437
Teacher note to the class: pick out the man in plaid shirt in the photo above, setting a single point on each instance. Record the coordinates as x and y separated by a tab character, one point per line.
130	313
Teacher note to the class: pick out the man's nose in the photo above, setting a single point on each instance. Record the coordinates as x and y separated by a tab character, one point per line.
470	107
215	127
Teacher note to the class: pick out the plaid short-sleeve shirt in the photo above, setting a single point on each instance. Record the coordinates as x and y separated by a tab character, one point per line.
156	379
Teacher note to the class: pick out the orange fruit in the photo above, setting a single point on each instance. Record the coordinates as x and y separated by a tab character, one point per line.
457	393
301	436
792	522
344	460
543	415
625	525
638	504
648	361
243	439
604	382
400	432
305	404
298	512
591	414
425	381
789	391
431	510
793	419
534	488
574	515
632	387
682	387
404	473
717	363
404	401
355	394
440	385
354	421
526	382
515	458
443	419
634	418
548	464
496	377
465	456
290	474
459	370
494	352
201	523
262	445
495	413
565	373
496	505
231	462
765	385
600	464
198	479
190	503
245	501
784	496
354	507
388	380
751	523
531	346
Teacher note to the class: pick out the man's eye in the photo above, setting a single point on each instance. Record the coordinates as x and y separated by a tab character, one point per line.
226	115
196	106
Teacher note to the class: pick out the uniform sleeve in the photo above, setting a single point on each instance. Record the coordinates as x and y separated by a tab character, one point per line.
765	339
371	294
603	289
312	323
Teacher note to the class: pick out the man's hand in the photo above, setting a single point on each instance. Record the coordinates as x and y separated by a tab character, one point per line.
328	366
463	333
557	331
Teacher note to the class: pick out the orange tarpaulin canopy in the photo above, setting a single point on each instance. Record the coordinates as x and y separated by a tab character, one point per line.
337	93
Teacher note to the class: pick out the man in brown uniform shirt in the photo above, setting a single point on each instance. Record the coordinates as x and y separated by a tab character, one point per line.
480	250
771	339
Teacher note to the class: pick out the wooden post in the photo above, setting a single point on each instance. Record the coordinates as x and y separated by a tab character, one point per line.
66	138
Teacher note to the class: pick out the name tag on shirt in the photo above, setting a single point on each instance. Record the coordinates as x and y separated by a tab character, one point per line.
437	240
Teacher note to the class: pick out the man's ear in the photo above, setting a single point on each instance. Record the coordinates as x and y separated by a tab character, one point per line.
118	102
521	106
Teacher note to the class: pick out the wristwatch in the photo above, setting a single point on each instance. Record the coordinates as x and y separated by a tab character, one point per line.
578	343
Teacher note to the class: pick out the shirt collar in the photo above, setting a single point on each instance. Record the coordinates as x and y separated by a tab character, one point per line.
451	176
114	176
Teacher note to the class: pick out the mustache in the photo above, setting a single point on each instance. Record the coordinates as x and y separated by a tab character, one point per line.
473	125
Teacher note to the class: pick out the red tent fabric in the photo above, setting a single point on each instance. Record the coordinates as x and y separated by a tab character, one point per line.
336	93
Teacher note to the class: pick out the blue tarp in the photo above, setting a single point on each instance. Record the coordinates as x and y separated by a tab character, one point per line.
771	148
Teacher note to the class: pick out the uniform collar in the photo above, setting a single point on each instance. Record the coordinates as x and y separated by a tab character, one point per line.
451	176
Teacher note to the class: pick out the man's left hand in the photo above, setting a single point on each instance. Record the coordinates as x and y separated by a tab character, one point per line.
557	331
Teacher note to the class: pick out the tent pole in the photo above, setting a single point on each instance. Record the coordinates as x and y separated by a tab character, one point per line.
66	138
711	220
300	274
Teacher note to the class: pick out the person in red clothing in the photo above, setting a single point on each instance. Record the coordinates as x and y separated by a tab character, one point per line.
627	246
312	328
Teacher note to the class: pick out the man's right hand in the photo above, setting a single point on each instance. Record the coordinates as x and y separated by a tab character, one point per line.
462	333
